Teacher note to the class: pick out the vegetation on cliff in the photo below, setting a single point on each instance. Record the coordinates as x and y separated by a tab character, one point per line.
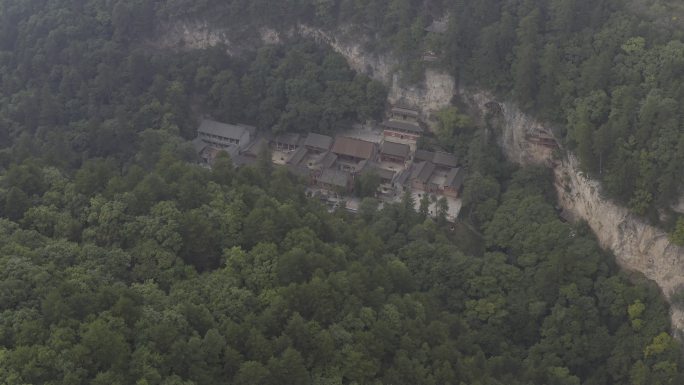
123	262
607	72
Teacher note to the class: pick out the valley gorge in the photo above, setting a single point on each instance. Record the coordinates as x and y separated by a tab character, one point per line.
638	246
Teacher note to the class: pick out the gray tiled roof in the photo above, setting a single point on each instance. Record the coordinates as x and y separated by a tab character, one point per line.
385	174
402	126
423	171
374	167
297	156
298	170
321	142
405	111
290	139
334	177
455	178
224	130
198	144
395	149
402	177
445	159
439	158
327	160
424	155
353	147
255	148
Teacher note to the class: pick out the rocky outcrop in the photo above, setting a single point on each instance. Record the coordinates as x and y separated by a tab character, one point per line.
197	34
515	130
346	43
637	245
430	95
192	35
679	206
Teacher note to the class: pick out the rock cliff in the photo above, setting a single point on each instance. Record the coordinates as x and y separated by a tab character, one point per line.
192	35
637	245
197	34
435	92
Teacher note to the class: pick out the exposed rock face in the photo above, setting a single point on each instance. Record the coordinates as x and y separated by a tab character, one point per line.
435	92
429	96
192	35
637	245
515	128
270	36
377	67
679	207
196	34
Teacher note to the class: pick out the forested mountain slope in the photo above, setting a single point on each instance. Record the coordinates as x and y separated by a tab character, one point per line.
608	71
123	262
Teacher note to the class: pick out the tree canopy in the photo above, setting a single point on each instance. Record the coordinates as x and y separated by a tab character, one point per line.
606	72
123	261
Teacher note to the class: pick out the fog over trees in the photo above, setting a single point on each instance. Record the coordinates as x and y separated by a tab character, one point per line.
122	261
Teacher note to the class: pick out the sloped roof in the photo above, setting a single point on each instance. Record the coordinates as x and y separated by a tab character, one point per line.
232	150
251	129
334	177
241	160
322	142
402	177
424	155
395	149
327	160
297	156
423	171
198	144
439	158
290	139
455	178
385	174
374	167
405	111
224	130
256	147
298	170
402	126
356	148
445	159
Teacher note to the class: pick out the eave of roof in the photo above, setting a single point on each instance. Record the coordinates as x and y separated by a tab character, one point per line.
402	126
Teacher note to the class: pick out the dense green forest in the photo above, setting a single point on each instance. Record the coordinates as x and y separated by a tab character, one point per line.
123	262
174	274
607	72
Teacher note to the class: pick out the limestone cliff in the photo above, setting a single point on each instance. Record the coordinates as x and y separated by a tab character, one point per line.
637	245
192	35
198	34
429	96
435	92
346	43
